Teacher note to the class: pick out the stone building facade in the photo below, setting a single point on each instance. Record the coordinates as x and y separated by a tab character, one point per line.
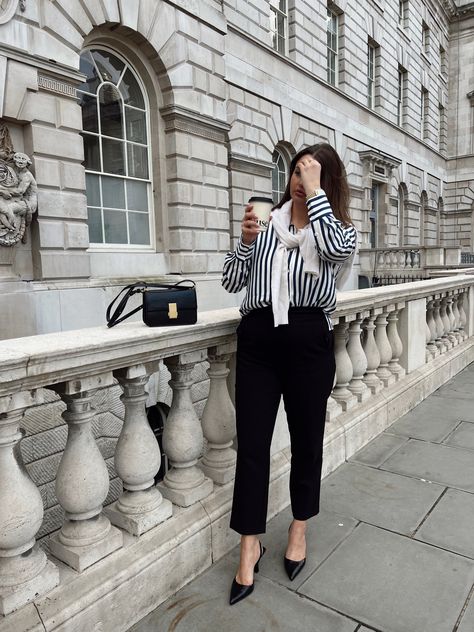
149	124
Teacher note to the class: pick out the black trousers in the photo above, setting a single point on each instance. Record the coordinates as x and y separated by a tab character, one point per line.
296	361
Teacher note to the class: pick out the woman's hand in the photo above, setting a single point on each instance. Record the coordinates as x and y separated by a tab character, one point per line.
250	228
310	173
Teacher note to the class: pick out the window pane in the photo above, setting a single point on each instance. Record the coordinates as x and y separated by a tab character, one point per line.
86	66
282	181
138	224
92	190
112	156
137	198
113	193
282	6
137	161
136	125
275	179
95	226
90	121
110	111
115	225
131	91
110	67
91	152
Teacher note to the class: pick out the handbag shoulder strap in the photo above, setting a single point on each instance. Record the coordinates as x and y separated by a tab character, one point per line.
128	291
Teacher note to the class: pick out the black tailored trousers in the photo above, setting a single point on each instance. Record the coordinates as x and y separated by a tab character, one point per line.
295	361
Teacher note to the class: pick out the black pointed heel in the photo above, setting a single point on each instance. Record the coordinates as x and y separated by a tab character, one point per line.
292	567
240	591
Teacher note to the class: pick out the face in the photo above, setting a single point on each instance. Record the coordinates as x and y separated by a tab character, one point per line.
20	160
297	192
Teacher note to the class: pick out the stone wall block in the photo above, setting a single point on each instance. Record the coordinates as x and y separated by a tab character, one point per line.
217	219
112	11
181	240
186	217
61	204
188	263
205	240
72	175
64	265
54	21
40	106
54	142
48	172
129	10
75	11
51	234
76	235
20	79
69	114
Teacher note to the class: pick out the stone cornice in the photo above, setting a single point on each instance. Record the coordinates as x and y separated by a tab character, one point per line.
184	120
379	158
454	11
250	165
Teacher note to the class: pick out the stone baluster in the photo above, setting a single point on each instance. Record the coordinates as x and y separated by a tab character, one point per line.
462	315
416	258
452	321
439	325
395	342
344	372
372	354
218	418
457	317
380	259
184	483
432	329
25	572
137	459
385	350
82	481
358	359
446	324
401	257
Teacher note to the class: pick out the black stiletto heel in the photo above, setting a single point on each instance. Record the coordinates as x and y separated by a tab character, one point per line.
293	567
240	591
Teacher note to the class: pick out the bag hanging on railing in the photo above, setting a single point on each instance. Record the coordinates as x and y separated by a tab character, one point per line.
162	304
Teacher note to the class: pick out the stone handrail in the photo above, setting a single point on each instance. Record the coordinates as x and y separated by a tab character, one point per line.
382	336
407	259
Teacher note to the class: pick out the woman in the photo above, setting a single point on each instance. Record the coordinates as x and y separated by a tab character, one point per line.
285	346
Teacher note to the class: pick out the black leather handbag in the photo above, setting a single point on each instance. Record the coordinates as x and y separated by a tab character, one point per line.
162	304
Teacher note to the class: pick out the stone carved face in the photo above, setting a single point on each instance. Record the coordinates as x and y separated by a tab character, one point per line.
21	160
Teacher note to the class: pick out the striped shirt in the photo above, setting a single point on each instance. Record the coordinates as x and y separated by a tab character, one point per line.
250	266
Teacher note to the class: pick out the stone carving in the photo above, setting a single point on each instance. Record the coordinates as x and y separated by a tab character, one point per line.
8	9
18	192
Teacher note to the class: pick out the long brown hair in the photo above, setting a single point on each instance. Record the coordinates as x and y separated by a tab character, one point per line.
333	179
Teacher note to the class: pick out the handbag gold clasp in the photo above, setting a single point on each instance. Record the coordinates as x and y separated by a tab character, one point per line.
172	310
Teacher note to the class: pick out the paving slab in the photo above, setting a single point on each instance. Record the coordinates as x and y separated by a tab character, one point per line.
392	582
384	499
378	450
461	386
450	524
438	406
323	534
467	621
452	467
203	607
416	425
462	437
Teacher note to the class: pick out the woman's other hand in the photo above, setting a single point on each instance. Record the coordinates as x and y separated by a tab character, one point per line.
310	173
249	226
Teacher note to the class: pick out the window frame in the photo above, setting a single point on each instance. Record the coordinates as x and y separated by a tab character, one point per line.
401	97
332	53
424	106
284	158
123	247
275	12
371	65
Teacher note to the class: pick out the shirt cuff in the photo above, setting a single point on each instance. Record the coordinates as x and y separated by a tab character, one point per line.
243	251
318	206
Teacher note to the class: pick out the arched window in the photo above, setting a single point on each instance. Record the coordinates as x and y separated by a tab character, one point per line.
279	175
116	150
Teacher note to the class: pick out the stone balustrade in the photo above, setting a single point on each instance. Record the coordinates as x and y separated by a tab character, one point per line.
393	345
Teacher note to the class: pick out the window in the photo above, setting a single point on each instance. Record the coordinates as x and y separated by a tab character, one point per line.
116	150
443	63
424	104
425	38
374	213
403	14
279	25
370	75
279	175
402	91
332	29
441	128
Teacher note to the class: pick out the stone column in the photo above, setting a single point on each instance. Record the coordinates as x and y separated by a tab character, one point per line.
82	482
218	418
358	359
457	318
137	460
452	322
462	314
439	325
372	354
184	483
25	573
385	349
395	342
446	324
344	372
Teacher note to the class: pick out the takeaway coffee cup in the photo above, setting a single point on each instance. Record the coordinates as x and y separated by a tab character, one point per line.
262	207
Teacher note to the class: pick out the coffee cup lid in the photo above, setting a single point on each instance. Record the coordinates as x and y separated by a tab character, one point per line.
256	198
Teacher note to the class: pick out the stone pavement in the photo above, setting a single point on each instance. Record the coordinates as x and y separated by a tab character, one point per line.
392	549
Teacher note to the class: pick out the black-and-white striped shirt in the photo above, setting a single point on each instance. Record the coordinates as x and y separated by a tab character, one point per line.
250	266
